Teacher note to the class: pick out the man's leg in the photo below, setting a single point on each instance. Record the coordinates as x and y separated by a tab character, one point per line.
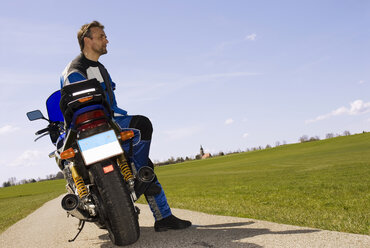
140	152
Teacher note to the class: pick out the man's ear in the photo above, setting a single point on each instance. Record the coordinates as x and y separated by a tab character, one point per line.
87	41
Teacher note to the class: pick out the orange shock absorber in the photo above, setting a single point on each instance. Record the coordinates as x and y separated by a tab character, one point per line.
125	169
80	185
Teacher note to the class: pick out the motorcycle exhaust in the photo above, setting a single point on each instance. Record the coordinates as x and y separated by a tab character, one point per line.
146	174
70	203
145	177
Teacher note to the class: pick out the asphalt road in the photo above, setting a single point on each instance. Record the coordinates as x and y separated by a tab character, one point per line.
49	227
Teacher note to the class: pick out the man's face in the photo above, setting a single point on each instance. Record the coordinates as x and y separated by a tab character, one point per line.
98	41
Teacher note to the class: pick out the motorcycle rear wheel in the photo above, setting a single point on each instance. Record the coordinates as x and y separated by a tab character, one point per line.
120	216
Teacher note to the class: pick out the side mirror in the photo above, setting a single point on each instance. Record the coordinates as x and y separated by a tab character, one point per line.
35	115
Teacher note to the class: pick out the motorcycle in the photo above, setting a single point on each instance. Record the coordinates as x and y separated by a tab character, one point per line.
102	183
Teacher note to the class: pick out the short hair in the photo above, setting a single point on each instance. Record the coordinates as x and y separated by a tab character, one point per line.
85	31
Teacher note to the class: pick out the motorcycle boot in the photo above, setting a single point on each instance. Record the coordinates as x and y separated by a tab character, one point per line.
171	222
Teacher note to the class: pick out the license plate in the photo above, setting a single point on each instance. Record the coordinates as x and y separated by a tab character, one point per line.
99	147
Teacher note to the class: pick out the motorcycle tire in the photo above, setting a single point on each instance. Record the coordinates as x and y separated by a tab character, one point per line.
121	219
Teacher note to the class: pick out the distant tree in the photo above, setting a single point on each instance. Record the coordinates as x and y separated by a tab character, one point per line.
346	133
314	138
50	177
198	156
304	138
171	160
329	135
6	184
277	143
13	181
179	160
221	154
23	181
267	146
59	175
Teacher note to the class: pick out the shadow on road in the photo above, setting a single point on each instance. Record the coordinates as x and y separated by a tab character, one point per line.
209	236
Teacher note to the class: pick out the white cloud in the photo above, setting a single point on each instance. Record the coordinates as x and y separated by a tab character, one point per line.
359	107
229	121
356	107
232	43
7	129
245	135
27	158
251	37
361	81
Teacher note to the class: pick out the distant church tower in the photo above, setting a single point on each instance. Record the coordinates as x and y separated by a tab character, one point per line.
201	151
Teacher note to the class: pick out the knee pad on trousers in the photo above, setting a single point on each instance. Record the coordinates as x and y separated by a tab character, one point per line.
144	125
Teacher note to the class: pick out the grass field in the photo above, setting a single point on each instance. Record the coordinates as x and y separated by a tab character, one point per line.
17	202
323	184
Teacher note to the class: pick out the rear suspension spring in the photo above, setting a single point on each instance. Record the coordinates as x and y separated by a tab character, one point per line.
79	182
125	169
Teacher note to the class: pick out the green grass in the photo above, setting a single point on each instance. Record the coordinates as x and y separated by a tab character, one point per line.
323	184
17	202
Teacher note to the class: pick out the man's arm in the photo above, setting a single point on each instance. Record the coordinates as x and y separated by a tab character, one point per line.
73	77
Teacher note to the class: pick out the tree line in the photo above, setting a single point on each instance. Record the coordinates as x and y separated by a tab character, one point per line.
302	139
13	180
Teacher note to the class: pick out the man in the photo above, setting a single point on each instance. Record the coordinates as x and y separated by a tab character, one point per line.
93	43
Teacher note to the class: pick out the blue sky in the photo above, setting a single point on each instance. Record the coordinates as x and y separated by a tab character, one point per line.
226	75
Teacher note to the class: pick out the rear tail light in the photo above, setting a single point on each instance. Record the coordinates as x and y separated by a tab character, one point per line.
90	120
91	115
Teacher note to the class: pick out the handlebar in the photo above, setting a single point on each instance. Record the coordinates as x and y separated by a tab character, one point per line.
41	136
54	129
42	131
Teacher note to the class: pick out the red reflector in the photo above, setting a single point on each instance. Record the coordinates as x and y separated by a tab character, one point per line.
89	116
108	169
92	125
